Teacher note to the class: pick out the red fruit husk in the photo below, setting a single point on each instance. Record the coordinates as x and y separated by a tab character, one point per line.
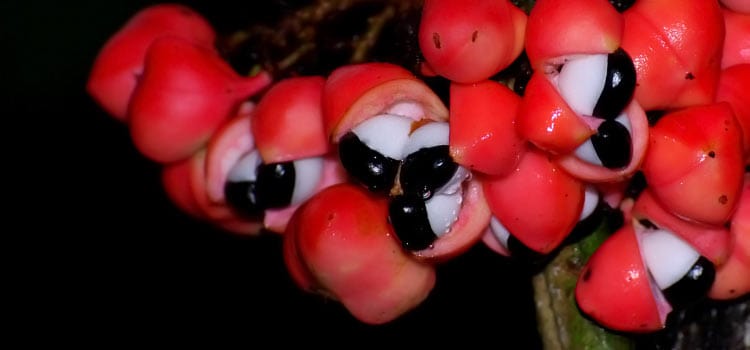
736	39
185	94
676	51
615	289
483	136
694	163
354	93
538	202
118	65
288	121
469	42
340	244
556	29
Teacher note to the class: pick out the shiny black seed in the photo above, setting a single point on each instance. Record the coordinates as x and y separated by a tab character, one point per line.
241	196
622	5
602	214
648	224
521	252
612	143
618	86
275	184
636	185
408	216
426	170
693	286
367	166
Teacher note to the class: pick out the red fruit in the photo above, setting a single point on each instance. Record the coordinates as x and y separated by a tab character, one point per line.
694	163
712	242
340	244
546	120
557	29
733	88
614	287
483	136
733	278
676	50
185	94
288	121
538	203
235	140
467	230
468	42
736	39
119	63
185	184
357	92
639	142
741	6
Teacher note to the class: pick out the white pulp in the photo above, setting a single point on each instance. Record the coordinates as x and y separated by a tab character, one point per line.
667	256
385	133
307	175
428	135
499	231
245	168
581	82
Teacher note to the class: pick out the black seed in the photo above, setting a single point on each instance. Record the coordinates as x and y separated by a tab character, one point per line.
426	170
693	286
648	224
689	76
618	86
408	216
436	40
612	143
613	216
636	185
653	116
366	165
275	184
622	5
241	196
712	154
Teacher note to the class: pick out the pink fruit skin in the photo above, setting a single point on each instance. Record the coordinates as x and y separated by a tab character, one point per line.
712	242
676	51
599	174
614	287
468	42
356	92
288	122
694	163
185	184
483	136
538	203
733	278
733	89
185	94
737	38
741	6
118	65
556	29
339	244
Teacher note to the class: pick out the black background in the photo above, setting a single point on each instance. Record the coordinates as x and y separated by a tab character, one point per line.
111	261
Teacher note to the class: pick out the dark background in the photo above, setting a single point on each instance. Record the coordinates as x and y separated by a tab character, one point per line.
112	261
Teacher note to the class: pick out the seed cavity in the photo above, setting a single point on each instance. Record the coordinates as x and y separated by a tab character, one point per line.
436	40
474	36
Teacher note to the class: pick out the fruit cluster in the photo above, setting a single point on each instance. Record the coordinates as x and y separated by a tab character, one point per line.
640	114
